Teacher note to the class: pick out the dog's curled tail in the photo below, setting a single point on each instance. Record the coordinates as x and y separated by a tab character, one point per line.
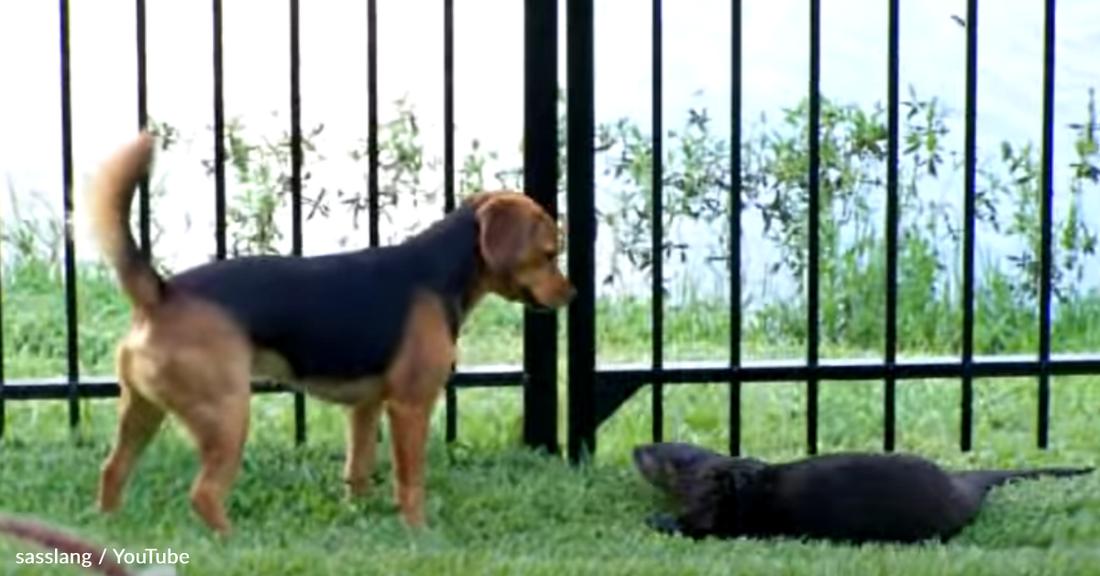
109	196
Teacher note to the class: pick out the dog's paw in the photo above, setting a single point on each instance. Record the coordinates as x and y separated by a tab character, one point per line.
426	538
106	504
357	493
358	489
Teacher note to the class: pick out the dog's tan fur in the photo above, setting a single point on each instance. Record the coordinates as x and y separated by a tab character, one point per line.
184	356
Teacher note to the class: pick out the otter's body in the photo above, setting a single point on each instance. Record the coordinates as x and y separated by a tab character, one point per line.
844	497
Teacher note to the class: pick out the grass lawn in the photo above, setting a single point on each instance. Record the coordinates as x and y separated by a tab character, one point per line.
496	509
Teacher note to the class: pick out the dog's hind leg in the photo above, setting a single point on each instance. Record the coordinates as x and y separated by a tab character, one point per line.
217	418
219	434
138	422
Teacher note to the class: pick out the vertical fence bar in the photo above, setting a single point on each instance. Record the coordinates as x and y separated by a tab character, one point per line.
540	180
373	217
72	351
219	136
657	305
580	99
967	425
735	229
889	400
450	395
144	222
296	180
1046	257
3	390
813	272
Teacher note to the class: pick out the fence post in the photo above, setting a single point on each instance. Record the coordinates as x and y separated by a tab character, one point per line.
72	337
450	396
540	180
296	176
580	98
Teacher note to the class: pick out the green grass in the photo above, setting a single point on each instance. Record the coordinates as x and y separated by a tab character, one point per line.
497	509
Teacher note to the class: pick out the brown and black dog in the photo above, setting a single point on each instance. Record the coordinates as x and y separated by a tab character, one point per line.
366	329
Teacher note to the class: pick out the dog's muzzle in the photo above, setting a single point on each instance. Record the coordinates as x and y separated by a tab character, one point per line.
530	302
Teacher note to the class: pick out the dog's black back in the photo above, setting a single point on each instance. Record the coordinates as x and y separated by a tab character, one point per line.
846	497
341	316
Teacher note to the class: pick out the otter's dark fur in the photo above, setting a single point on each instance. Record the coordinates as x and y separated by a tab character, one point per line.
846	497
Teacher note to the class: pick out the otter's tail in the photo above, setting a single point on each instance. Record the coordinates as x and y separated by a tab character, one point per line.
982	480
109	196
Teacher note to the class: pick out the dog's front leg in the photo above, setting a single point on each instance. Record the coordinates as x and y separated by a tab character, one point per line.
409	424
362	440
414	383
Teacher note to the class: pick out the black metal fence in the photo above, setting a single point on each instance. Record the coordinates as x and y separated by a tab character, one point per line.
538	374
595	394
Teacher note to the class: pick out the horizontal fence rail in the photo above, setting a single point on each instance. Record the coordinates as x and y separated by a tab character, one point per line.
596	391
107	387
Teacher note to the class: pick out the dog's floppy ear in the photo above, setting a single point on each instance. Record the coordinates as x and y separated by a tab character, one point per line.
505	233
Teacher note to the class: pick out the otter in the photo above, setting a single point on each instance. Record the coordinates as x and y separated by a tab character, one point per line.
847	497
